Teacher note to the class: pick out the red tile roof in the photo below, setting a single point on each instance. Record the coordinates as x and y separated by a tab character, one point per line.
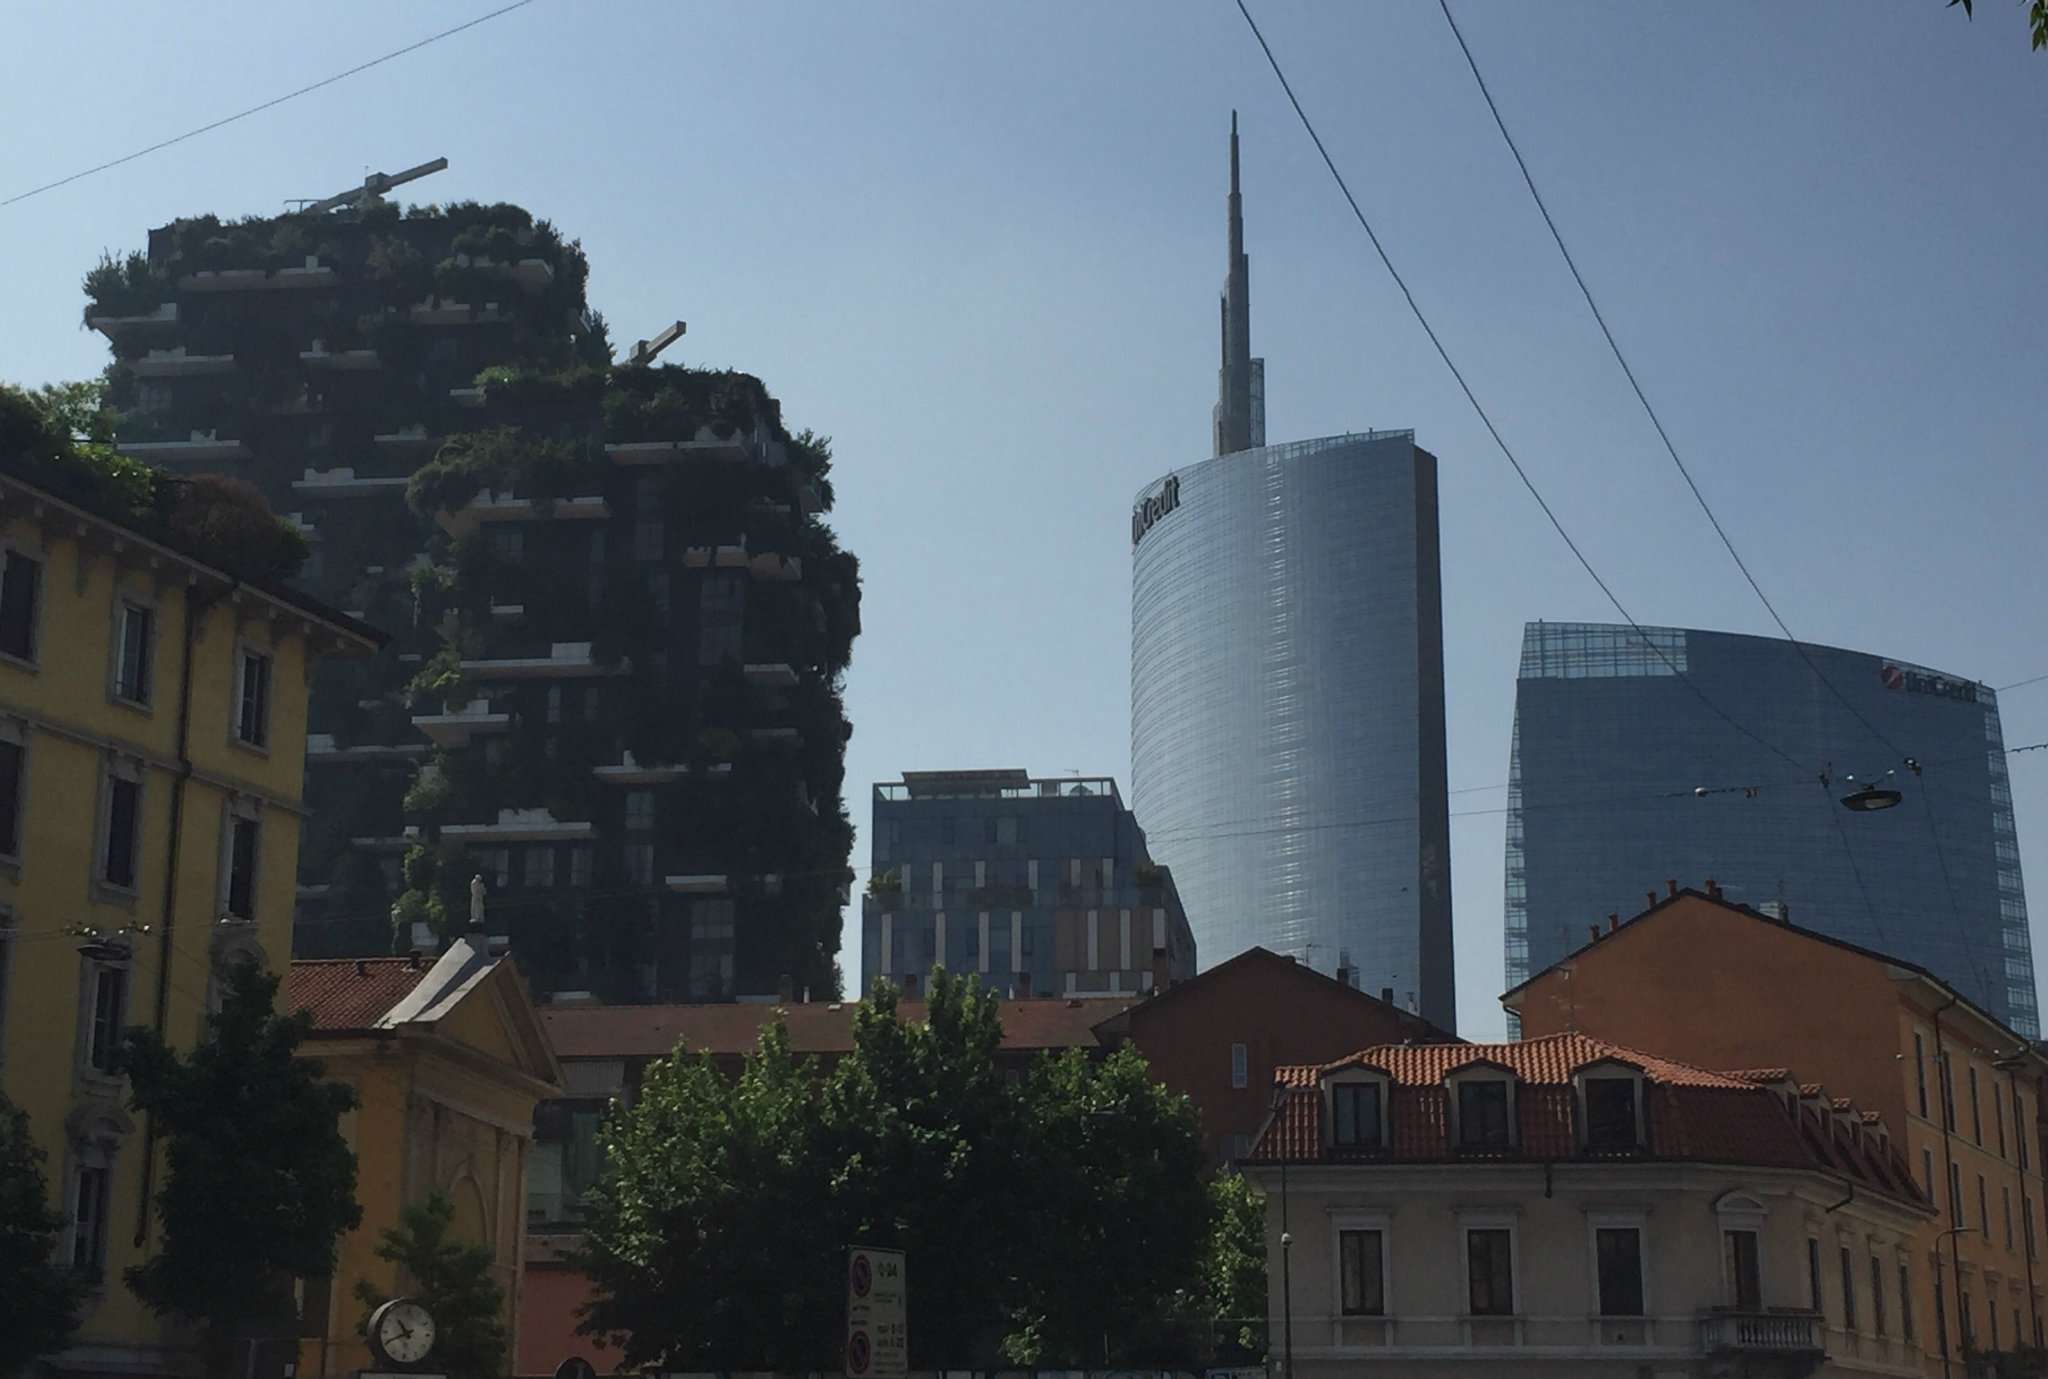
1692	1113
1763	1077
814	1027
351	993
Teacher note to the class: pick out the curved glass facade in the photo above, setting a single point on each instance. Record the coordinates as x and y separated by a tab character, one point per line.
1287	713
1612	751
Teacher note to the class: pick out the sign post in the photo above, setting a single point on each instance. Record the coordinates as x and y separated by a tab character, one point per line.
877	1334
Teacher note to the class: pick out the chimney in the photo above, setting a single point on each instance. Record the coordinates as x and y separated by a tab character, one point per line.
1653	898
1594	930
1023	986
362	968
1162	977
1387	995
785	989
1713	888
1613	921
1672	887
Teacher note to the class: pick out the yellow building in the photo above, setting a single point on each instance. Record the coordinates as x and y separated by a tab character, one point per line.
448	1059
152	751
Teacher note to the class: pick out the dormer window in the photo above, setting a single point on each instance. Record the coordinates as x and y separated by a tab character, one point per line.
1355	1109
1355	1115
1611	1114
1483	1119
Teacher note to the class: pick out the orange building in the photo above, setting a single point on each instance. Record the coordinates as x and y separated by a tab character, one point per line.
448	1059
1721	986
1220	1037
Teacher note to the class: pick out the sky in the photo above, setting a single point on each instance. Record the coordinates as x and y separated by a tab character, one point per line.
980	247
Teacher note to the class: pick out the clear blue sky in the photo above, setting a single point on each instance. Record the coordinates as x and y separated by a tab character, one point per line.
980	246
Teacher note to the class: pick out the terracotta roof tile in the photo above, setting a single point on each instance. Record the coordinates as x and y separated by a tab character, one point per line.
350	993
1763	1077
816	1027
1692	1113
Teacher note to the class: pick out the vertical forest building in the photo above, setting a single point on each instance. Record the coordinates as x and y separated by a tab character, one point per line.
618	622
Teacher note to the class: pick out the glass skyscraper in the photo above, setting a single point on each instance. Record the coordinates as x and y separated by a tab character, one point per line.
1287	710
1623	778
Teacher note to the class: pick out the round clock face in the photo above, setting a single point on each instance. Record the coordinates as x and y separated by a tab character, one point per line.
402	1331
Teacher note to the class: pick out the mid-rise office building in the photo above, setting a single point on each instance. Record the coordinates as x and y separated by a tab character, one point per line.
1287	708
1629	770
1038	887
619	618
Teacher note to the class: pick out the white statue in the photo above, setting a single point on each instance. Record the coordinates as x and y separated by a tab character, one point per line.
476	902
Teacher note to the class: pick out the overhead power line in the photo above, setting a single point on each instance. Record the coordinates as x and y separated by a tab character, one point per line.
1635	384
1485	418
258	109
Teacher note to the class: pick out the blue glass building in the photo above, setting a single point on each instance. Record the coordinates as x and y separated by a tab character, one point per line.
1039	887
1287	701
1621	779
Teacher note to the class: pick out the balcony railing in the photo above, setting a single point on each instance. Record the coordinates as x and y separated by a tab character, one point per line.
1778	1333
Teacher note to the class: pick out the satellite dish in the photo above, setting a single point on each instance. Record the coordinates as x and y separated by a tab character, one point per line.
575	1367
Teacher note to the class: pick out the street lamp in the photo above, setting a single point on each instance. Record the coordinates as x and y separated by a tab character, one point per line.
1280	1094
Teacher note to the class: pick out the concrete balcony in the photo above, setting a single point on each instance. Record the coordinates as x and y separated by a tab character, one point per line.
457	729
504	507
699	884
310	274
521	826
466	397
201	445
507	612
176	363
344	483
439	313
729	557
342	361
786	737
703	446
165	316
781	569
629	771
771	675
564	661
389	843
322	751
1781	1334
407	438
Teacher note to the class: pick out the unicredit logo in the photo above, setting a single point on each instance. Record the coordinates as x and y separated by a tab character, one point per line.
1152	509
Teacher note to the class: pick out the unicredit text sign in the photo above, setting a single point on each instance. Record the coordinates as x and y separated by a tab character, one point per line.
1152	509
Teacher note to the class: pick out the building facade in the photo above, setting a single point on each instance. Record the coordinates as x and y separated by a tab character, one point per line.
1622	777
1958	1092
1218	1038
1287	706
152	751
621	620
1036	887
448	1059
1570	1207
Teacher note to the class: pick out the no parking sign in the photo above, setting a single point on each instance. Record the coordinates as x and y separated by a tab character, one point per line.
877	1336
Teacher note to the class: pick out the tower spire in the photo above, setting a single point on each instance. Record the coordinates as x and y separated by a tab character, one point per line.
1239	416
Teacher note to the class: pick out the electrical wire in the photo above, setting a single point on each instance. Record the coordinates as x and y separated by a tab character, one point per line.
258	109
1485	418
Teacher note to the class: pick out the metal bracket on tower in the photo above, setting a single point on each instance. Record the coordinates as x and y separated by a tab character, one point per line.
644	350
374	186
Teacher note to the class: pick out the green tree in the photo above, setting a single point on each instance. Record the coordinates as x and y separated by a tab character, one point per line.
260	1182
1037	1218
2037	18
452	1279
1232	1297
41	1307
1120	1217
706	1241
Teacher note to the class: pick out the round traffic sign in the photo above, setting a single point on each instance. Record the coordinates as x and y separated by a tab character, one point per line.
857	1353
863	1276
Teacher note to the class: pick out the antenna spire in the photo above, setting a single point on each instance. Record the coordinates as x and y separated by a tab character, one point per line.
1240	416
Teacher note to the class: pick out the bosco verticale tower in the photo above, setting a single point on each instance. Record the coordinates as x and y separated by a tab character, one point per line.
619	621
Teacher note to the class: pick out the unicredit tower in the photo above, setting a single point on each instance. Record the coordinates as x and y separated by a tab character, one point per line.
1287	702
